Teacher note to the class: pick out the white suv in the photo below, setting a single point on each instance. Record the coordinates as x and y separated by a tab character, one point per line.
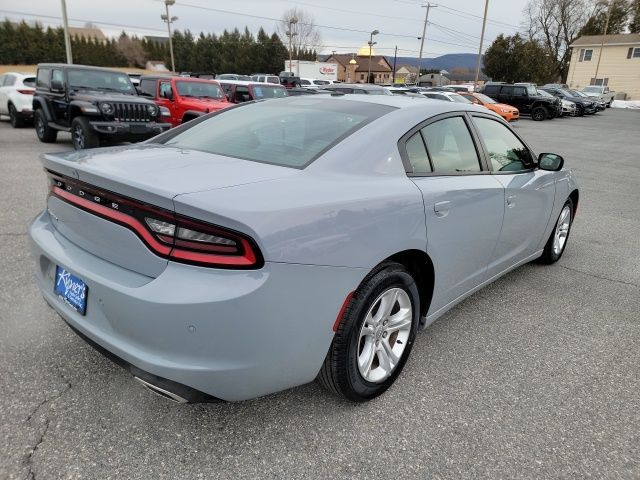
16	97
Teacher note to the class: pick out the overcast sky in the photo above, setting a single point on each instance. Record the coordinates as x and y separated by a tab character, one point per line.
454	24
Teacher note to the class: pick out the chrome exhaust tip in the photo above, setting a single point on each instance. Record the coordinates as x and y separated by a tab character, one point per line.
161	391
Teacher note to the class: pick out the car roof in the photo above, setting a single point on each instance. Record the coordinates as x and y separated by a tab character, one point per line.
78	67
179	78
246	82
359	86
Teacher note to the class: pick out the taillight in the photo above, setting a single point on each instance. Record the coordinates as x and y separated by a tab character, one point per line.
169	235
26	92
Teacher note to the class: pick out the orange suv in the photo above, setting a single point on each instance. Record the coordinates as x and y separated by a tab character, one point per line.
509	113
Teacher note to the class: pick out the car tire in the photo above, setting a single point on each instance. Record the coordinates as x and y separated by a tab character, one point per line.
557	242
83	135
370	346
45	133
539	113
579	110
16	119
608	105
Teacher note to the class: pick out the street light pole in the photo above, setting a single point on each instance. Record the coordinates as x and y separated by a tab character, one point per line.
484	23
67	40
165	16
371	44
290	33
428	6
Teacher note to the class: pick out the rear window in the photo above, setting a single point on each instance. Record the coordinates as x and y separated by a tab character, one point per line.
289	133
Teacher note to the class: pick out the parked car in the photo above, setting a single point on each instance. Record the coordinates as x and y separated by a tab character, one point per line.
600	103
295	92
265	78
203	75
272	244
447	96
584	105
602	93
308	83
186	98
526	99
94	104
16	97
238	91
457	88
357	88
509	113
568	107
233	76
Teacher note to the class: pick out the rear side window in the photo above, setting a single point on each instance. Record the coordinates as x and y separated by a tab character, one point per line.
43	78
491	89
29	82
286	133
9	80
506	152
148	87
450	146
417	154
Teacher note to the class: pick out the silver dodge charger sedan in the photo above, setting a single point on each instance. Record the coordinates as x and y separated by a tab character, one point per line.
278	242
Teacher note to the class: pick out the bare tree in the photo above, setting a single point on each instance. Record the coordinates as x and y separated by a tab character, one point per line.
305	33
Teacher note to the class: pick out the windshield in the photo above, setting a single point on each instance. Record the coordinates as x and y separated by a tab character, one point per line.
544	93
267	91
592	89
576	93
100	80
378	91
289	133
199	89
484	99
459	98
566	92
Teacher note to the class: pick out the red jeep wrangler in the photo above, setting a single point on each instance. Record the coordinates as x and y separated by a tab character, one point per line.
185	97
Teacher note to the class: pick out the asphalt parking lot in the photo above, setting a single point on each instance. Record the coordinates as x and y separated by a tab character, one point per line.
536	376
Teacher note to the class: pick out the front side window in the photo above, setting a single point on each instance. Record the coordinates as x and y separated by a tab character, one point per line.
519	92
287	133
450	146
165	90
417	154
506	152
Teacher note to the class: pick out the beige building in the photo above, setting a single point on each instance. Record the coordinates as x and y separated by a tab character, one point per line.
617	62
354	67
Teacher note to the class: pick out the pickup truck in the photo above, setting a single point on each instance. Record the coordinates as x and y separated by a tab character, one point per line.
603	93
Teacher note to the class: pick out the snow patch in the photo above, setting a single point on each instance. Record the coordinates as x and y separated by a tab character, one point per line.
626	104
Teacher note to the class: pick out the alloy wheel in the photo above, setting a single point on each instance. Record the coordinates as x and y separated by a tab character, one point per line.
78	137
384	335
562	230
13	115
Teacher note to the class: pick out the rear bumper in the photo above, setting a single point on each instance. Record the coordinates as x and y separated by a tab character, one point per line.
234	335
130	130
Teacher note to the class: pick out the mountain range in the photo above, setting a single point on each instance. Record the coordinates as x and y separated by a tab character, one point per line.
444	62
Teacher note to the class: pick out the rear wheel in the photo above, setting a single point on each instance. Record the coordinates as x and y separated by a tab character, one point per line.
17	120
45	133
557	242
83	135
539	113
375	335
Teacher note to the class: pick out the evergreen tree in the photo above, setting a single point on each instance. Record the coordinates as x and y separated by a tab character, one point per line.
634	16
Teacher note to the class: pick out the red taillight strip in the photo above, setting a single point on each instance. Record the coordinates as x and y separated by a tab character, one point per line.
115	216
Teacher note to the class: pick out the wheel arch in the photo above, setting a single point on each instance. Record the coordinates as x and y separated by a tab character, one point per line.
575	196
190	115
421	268
39	103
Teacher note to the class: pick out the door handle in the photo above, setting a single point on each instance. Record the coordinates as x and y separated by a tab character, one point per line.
442	208
511	201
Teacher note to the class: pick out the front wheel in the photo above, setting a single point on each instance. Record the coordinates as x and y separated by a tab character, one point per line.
557	241
539	113
580	110
609	104
83	135
375	335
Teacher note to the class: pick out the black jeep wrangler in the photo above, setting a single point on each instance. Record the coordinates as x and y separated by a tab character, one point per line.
94	104
524	97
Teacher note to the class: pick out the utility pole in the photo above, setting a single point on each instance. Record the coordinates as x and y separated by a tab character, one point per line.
169	20
428	6
484	23
290	33
606	26
67	40
393	75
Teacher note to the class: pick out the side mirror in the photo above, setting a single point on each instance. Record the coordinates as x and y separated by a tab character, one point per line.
57	86
550	162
